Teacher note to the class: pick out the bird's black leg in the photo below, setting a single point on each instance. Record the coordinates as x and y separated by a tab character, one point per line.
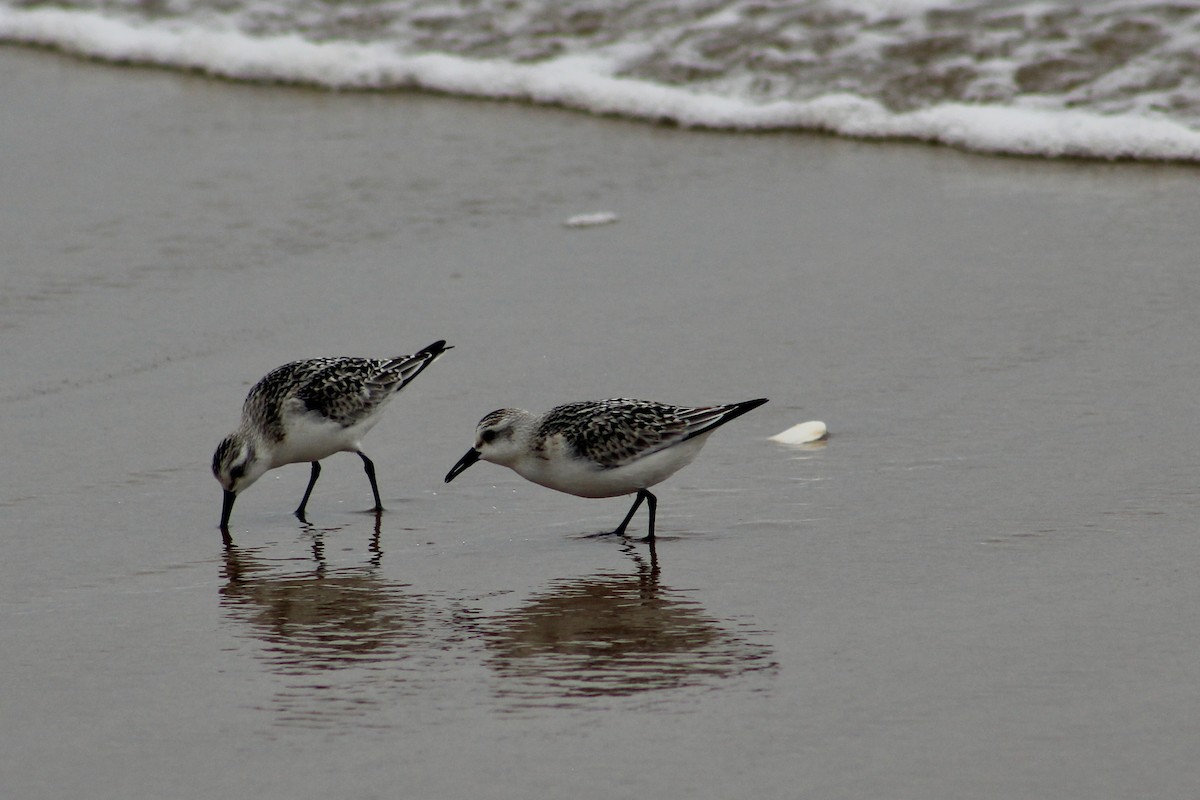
369	468
312	481
651	506
641	495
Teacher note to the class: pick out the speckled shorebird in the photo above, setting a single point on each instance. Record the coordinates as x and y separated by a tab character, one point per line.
308	410
600	448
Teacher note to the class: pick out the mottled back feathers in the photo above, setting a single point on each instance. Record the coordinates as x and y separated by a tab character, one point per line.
615	432
344	390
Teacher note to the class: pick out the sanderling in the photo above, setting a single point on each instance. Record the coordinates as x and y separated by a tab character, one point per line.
599	449
307	410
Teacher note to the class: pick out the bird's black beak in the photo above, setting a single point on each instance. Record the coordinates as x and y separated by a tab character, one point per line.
470	458
226	509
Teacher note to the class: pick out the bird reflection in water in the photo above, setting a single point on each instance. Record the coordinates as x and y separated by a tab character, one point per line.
614	635
339	637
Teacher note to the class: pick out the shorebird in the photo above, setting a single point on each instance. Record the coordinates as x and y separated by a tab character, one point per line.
602	448
308	410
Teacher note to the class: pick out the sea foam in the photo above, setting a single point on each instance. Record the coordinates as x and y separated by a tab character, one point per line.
591	82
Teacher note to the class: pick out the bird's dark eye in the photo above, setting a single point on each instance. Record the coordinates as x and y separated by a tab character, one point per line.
488	436
237	472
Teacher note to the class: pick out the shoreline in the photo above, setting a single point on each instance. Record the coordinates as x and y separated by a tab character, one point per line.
990	130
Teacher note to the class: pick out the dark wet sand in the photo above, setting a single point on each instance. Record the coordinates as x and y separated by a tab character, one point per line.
984	586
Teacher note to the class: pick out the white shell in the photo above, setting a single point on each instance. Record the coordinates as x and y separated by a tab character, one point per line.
591	220
805	432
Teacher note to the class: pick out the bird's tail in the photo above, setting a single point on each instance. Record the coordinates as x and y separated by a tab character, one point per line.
397	373
706	419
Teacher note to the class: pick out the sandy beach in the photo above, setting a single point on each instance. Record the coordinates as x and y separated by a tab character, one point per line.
982	586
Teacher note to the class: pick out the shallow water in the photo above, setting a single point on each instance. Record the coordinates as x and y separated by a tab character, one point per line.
980	586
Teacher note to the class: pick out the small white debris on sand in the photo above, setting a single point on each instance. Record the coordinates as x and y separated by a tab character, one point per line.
591	220
804	433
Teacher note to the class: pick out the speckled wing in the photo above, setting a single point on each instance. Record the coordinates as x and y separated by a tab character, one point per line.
351	389
616	432
344	390
278	393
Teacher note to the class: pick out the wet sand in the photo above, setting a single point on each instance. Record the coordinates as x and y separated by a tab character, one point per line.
983	586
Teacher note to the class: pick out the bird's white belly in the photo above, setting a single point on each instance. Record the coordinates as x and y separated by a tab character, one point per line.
584	479
312	438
